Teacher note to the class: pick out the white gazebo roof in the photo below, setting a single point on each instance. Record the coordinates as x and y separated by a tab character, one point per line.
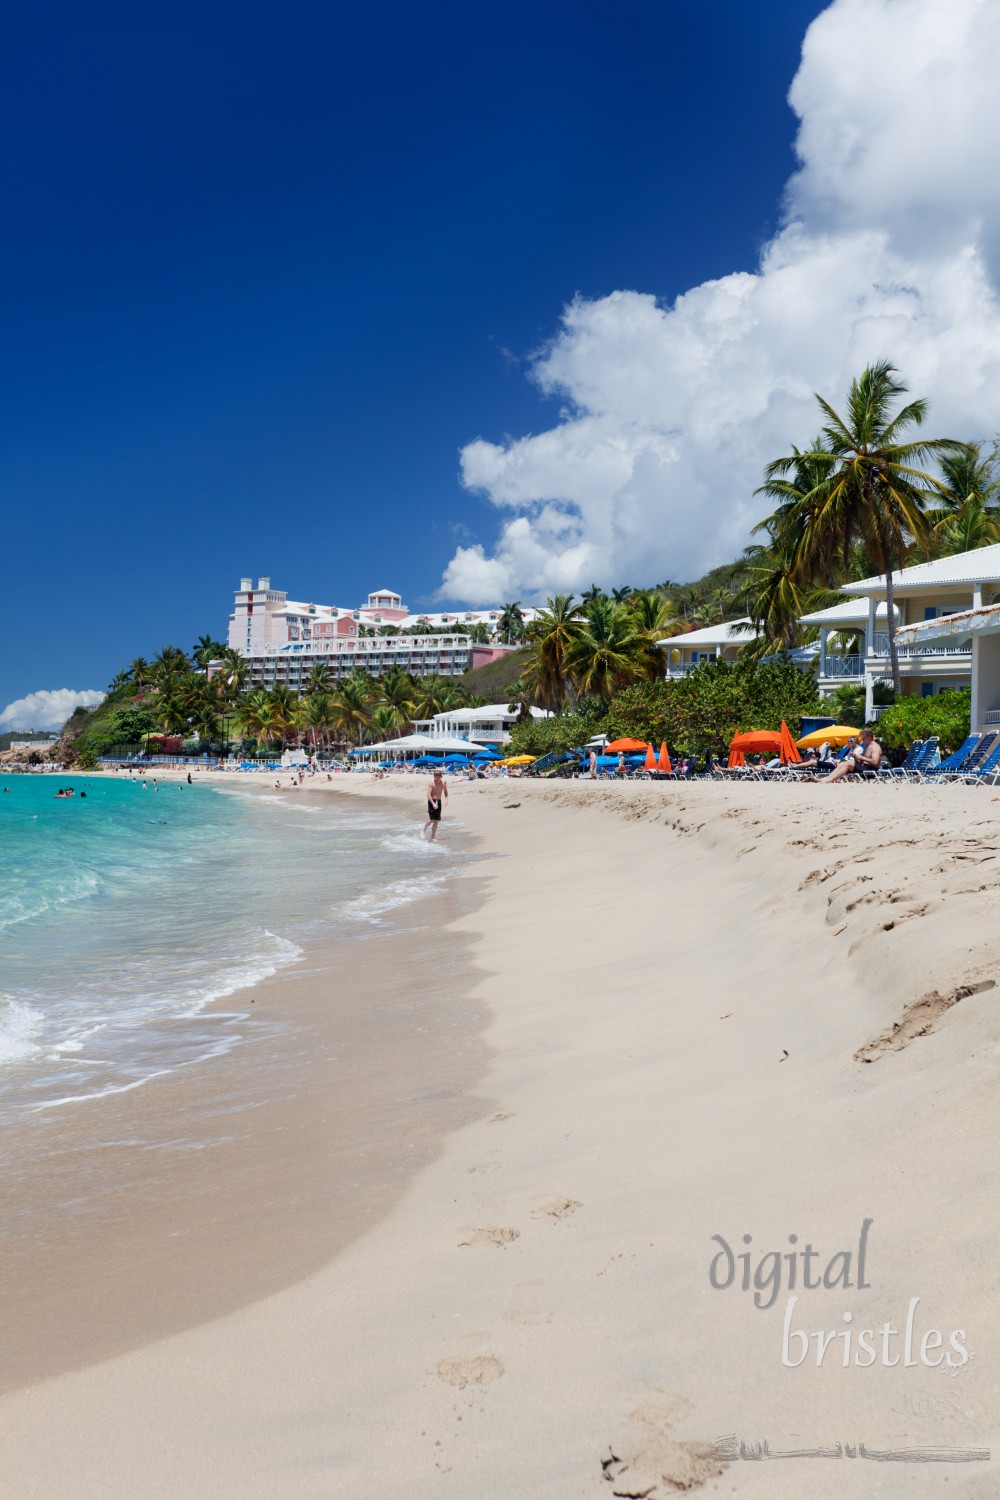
725	634
487	712
424	742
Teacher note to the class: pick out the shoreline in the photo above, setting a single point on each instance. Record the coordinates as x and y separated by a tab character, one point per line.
112	1202
683	982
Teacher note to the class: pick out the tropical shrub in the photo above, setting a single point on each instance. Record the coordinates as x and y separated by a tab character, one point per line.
699	714
565	731
946	715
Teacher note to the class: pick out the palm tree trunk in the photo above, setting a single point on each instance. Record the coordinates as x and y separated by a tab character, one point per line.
890	621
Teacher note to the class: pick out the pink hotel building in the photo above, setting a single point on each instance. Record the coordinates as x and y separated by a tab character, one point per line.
282	640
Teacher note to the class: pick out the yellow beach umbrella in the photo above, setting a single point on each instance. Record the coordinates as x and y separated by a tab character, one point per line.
834	734
519	760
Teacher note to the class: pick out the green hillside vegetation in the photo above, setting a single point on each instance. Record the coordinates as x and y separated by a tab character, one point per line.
495	682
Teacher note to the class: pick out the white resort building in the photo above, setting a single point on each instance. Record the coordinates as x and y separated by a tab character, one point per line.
488	725
283	639
710	643
948	632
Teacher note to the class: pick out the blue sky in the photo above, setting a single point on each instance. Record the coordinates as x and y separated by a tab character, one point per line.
267	269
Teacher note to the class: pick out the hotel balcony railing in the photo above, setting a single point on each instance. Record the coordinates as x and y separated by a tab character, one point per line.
931	649
844	666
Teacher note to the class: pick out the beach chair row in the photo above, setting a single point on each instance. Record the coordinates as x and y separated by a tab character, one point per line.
975	760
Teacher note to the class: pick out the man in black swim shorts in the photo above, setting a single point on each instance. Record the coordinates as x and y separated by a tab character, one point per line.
437	794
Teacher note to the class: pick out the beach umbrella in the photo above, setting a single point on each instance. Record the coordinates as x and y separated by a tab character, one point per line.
664	760
788	751
650	759
834	734
626	745
519	760
736	758
757	740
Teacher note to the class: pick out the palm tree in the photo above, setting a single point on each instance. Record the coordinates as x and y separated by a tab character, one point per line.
206	650
384	722
234	673
969	514
429	695
317	713
398	694
550	638
652	616
608	653
320	679
591	595
140	671
622	595
510	625
170	661
285	704
351	707
872	492
258	718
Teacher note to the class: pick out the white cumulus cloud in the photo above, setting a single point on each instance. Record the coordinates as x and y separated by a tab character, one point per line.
889	247
49	708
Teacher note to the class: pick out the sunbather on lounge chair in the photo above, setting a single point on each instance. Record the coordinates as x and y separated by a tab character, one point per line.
866	756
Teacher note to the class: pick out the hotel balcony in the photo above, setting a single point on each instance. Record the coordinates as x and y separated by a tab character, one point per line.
843	668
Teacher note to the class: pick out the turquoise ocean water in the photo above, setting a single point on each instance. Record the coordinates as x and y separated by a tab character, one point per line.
126	913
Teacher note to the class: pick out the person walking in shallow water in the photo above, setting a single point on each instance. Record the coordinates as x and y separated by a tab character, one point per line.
437	795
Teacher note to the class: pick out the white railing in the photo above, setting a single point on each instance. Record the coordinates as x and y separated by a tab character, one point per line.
931	649
879	710
844	666
992	716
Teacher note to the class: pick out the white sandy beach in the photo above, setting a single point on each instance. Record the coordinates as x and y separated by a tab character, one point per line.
715	1011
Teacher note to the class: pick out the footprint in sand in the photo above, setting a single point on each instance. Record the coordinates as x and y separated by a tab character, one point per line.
482	1369
555	1208
651	1463
491	1234
529	1316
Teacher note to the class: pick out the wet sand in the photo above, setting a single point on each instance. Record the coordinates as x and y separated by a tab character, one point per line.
132	1217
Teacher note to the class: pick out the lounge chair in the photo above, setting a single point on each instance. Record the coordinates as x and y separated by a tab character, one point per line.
972	763
952	763
909	763
988	766
919	757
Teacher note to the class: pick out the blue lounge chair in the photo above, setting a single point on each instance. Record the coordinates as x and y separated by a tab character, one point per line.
898	773
975	760
953	762
922	760
986	767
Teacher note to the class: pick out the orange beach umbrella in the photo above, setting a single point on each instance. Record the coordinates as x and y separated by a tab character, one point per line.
664	761
650	758
789	750
625	745
757	740
736	758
